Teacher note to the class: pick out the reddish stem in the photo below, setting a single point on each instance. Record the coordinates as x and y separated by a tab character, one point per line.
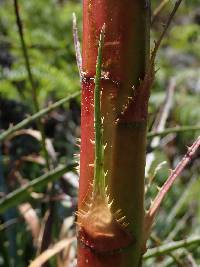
124	108
151	214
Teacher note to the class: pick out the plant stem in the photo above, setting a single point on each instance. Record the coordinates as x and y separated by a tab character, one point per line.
125	57
158	10
31	80
174	174
153	210
165	249
159	41
172	255
126	77
174	130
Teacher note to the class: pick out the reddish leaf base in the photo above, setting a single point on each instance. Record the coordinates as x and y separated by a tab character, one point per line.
101	230
87	258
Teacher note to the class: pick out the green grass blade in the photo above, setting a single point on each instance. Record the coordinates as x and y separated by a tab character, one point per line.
166	248
36	116
179	129
23	193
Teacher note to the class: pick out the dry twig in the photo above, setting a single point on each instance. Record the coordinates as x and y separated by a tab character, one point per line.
50	252
77	46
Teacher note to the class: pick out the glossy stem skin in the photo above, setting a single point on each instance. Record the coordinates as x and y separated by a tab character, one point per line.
124	108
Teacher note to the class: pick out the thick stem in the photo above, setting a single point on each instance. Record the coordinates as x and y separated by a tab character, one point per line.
124	109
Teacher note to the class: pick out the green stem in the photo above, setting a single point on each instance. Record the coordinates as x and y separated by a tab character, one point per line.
174	130
36	116
172	255
25	53
99	177
31	80
165	249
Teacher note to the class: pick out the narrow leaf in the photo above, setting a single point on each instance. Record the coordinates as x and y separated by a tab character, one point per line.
50	252
36	116
99	176
165	249
21	194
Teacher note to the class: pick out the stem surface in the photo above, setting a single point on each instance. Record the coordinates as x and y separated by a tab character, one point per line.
124	98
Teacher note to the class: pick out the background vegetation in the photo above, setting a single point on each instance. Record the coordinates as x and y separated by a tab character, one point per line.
47	214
